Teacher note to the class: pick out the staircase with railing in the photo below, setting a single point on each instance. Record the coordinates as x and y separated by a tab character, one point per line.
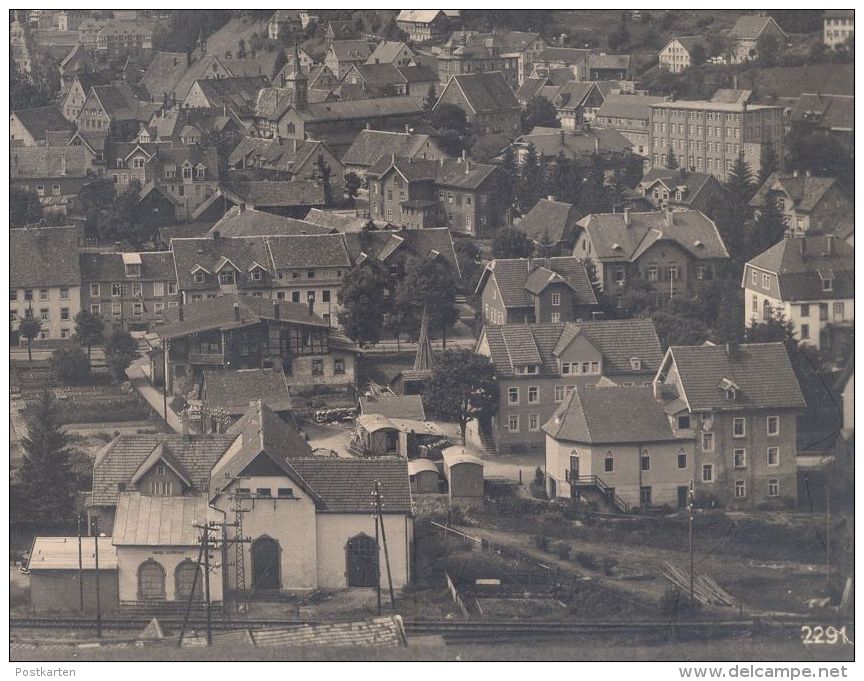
607	492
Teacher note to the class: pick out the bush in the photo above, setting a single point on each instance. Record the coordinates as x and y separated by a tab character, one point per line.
609	565
562	550
541	541
70	365
587	560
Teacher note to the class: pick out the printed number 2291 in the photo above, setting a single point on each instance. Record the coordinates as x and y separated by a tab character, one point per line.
819	635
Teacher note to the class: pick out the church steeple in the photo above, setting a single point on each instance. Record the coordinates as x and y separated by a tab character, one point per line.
296	82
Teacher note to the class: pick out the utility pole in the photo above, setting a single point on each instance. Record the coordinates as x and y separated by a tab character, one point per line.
98	598
377	554
828	540
690	537
164	381
191	595
384	539
80	568
207	583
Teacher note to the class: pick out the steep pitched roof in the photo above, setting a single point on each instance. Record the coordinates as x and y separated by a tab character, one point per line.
584	416
361	108
512	278
350	50
48	162
548	217
344	485
379	74
239	93
627	106
276	193
240	221
418	16
44	256
802	263
751	26
618	340
566	55
530	88
233	390
805	191
691	183
613	239
394	406
576	144
387	52
381	244
335	221
485	92
830	112
609	61
117	99
163	72
688	42
209	252
309	250
762	372
370	145
40	120
155	266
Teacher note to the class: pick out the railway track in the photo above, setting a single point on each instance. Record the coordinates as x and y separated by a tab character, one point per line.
463	631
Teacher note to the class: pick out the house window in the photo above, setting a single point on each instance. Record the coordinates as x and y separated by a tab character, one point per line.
64	314
226	277
534	423
682	461
64	294
172	288
773	425
805	310
43	314
839	309
708	472
13	294
338	365
199	277
28	294
512	395
823	312
619	276
805	331
325	296
827	284
559	393
684	422
256	275
740	489
317	367
136	289
707	442
739	458
137	309
295	296
652	273
95	308
773	487
264	492
533	394
773	456
310	274
556	299
43	294
513	423
645	462
609	463
556	317
739	428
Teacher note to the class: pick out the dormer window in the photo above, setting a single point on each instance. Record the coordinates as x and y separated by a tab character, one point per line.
133	269
118	162
635	364
257	275
198	277
731	394
827	284
187	172
199	172
683	421
226	277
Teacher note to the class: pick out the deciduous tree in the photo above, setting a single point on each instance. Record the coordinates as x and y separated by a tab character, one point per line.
531	185
363	302
539	112
70	365
120	351
428	283
510	242
30	327
24	207
352	187
89	330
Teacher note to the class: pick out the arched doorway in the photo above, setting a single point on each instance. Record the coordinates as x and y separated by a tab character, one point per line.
265	564
151	581
186	574
362	557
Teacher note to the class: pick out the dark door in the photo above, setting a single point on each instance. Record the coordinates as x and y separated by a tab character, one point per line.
682	496
362	556
265	564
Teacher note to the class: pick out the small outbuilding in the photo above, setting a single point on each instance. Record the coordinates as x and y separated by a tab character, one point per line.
55	577
425	476
464	473
378	435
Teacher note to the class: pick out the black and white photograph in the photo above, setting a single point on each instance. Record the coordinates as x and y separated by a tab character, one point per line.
432	335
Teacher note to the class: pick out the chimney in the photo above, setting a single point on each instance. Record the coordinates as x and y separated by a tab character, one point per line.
275	309
467	166
440	161
550	197
794	173
242	207
464	155
802	243
596	145
807	173
63	164
732	351
368	125
236	312
295	144
670	216
407	129
392	158
626	217
735	82
216	235
829	244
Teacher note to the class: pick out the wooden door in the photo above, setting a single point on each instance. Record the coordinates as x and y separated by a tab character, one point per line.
362	558
266	573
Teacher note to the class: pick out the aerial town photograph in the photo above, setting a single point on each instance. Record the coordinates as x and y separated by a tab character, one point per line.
419	335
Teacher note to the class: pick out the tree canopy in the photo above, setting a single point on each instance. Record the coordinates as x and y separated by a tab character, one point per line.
24	207
428	284
363	302
510	242
120	351
539	112
89	329
70	365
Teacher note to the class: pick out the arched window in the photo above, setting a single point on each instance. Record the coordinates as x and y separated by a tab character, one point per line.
186	574
151	581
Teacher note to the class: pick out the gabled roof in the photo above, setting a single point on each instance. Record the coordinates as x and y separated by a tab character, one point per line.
381	244
613	239
609	61
276	193
387	52
576	144
805	191
627	106
485	92
762	372
361	109
240	221
586	416
551	218
688	42
40	120
379	74
350	50
161	453
751	26
44	256
530	88
309	250
566	55
345	485
394	406
109	267
335	221
371	145
830	112
117	100
117	462
233	390
691	183
160	520
48	162
419	16
803	262
208	253
618	340
239	93
512	278
163	72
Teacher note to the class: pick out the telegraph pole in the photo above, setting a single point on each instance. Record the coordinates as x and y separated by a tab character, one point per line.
377	555
98	598
384	539
191	595
80	568
164	381
207	583
828	540
690	537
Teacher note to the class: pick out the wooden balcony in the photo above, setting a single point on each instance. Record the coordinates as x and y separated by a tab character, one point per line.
207	358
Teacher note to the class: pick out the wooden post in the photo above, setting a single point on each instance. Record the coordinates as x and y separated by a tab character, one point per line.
207	583
384	539
80	567
690	536
191	596
98	597
165	381
377	560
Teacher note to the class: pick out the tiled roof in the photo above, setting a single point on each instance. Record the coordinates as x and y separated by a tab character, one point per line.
239	221
627	106
277	193
350	50
118	460
762	372
281	16
343	29
48	162
692	183
335	221
345	485
311	250
44	256
750	27
238	93
485	92
160	520
688	42
218	313
512	276
42	119
574	93
210	252
566	55
553	218
587	417
418	16
361	108
233	390
613	239
382	244
379	74
272	102
803	262
609	61
117	99
618	340
464	175
394	406
804	190
529	89
61	553
577	145
163	72
419	73
370	145
831	112
155	266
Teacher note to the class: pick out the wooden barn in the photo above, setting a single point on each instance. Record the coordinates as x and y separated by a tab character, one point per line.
425	476
464	474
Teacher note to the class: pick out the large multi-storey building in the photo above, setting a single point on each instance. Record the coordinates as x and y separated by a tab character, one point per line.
488	102
838	26
680	53
708	136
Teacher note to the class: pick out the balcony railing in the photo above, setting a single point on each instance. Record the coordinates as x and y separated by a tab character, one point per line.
206	358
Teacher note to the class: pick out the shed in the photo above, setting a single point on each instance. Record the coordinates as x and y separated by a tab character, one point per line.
464	473
425	477
54	574
378	435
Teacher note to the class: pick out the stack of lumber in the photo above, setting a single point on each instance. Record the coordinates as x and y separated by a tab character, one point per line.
705	589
